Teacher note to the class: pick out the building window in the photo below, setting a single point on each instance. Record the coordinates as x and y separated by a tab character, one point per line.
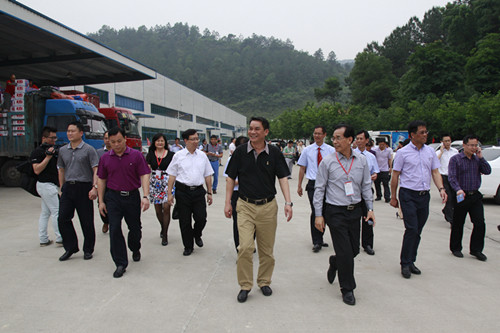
149	132
129	103
171	113
226	126
205	121
103	95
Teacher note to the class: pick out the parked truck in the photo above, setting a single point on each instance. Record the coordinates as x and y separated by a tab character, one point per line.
21	127
392	137
124	118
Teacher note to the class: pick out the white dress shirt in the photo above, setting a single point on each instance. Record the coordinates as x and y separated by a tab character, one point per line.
190	169
445	159
309	158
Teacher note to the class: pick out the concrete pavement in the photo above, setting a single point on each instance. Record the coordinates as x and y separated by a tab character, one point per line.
167	292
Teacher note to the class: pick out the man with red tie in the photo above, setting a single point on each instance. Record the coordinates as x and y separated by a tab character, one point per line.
308	162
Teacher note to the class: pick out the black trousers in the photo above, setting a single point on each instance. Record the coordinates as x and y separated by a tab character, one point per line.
129	208
473	205
344	229
236	236
415	208
451	202
316	235
383	177
191	204
366	229
76	196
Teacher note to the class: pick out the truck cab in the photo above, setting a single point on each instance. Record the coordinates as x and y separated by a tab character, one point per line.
124	118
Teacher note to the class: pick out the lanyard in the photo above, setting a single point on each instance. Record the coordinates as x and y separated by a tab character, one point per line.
346	172
159	160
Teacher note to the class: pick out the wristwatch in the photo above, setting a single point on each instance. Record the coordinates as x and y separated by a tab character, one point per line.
95	186
289	203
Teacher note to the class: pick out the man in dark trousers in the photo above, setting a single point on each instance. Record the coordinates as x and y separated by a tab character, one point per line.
77	163
464	175
257	165
188	171
123	171
342	183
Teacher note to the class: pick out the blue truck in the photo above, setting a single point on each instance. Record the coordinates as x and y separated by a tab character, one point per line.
21	126
390	136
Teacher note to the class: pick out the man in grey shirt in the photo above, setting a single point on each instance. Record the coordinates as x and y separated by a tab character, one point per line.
345	178
77	164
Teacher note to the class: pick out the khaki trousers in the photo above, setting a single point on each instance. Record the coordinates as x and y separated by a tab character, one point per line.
260	220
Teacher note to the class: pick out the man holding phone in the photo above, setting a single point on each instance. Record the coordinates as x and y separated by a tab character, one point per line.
464	175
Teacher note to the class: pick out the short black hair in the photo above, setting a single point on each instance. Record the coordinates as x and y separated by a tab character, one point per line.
323	128
414	125
177	139
213	137
115	130
187	133
47	130
263	121
78	124
444	135
290	141
241	140
365	133
348	132
470	137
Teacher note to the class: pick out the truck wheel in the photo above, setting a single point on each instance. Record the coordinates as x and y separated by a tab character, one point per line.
10	176
497	196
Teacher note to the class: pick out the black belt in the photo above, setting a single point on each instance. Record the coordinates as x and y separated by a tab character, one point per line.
73	182
348	207
185	187
123	193
471	193
257	202
421	193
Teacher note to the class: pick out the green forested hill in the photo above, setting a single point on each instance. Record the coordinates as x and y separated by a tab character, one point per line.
254	76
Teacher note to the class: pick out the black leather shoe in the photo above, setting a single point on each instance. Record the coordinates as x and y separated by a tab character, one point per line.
458	254
414	269
87	256
266	290
136	256
242	296
67	255
324	244
316	248
378	199
119	272
164	242
479	256
387	200
405	271
332	270
199	242
187	252
369	250
348	298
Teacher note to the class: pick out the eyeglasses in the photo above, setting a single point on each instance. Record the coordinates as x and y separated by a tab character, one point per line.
423	132
194	140
337	138
472	146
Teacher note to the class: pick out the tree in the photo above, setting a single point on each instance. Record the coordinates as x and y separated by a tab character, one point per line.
319	55
431	29
330	90
372	81
459	24
483	66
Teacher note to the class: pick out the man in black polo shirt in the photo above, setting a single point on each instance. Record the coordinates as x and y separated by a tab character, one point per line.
256	165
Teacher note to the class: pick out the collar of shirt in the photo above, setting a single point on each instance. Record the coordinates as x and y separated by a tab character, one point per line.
77	147
127	151
250	148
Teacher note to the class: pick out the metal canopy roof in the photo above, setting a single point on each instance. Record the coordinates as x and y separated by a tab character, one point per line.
33	46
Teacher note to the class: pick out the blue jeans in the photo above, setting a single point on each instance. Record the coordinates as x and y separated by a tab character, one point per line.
215	167
49	193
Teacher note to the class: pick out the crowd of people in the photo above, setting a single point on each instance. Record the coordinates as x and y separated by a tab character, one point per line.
180	182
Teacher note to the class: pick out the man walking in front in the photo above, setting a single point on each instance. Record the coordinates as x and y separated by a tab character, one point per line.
214	153
308	162
77	163
384	159
122	172
413	168
445	152
342	183
464	174
44	162
256	165
362	138
188	170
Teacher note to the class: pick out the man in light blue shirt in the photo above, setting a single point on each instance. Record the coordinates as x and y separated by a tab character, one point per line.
362	138
308	162
413	168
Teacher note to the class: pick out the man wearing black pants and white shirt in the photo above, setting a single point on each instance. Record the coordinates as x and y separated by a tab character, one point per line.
188	170
77	163
445	152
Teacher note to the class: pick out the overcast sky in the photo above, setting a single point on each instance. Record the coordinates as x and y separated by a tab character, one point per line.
344	27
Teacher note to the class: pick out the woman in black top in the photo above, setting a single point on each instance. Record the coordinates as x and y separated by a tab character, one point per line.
158	158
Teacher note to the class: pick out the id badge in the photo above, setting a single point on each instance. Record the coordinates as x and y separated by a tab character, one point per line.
158	174
349	190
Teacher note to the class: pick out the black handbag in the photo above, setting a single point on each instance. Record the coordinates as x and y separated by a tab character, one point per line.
28	178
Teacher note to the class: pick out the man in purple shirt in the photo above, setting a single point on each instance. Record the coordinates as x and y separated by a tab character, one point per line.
122	171
464	175
415	164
